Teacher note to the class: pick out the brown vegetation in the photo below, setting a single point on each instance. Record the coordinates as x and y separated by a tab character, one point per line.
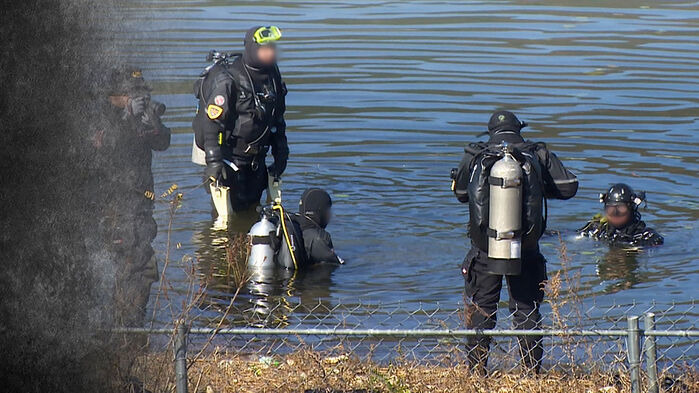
308	371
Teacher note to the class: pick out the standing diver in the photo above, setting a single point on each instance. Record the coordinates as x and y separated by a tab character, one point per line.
621	223
241	115
505	181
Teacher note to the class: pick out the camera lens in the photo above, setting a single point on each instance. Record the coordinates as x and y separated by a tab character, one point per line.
158	108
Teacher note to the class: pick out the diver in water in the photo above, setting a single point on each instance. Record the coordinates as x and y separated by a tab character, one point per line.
315	213
294	241
241	116
505	236
621	223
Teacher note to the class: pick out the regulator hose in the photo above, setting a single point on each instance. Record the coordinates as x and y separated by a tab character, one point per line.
279	207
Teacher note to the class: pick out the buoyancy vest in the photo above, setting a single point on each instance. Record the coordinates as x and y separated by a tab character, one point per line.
533	201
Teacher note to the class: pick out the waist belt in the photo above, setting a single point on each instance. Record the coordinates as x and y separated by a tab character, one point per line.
250	161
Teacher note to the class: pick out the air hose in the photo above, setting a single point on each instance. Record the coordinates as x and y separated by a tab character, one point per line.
278	206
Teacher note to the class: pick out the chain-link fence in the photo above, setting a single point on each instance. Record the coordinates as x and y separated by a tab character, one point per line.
649	347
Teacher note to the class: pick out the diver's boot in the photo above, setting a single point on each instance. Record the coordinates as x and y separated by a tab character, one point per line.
220	195
532	352
274	190
478	354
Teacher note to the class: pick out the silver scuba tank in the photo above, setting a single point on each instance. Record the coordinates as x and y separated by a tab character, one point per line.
505	216
261	252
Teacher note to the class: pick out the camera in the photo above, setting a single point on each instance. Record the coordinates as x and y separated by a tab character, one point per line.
157	107
152	106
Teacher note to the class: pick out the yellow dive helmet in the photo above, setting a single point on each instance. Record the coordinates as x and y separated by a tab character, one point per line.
267	34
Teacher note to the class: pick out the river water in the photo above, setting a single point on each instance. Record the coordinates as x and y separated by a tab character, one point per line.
383	95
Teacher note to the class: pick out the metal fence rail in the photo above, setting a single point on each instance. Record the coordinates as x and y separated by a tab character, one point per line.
642	346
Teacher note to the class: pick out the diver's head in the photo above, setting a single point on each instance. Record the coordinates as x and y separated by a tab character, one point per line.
316	204
504	121
621	204
260	46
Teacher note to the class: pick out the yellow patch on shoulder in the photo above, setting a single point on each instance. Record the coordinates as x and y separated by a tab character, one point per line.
214	111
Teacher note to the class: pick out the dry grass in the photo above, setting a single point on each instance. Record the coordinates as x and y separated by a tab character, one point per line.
308	371
562	293
237	254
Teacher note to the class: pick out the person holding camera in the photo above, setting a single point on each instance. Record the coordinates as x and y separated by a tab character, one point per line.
127	132
241	116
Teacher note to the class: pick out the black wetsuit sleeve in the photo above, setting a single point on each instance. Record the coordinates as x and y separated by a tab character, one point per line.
322	249
463	174
559	182
280	146
159	137
218	107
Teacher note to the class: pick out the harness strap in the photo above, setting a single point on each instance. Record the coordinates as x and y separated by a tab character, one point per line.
504	183
261	240
503	235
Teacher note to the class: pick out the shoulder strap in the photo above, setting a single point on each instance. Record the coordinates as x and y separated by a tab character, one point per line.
475	148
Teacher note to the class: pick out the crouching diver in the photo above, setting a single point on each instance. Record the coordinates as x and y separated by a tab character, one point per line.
294	241
506	181
621	224
315	213
241	116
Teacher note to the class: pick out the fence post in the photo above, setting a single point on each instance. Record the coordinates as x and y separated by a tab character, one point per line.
634	353
651	353
181	358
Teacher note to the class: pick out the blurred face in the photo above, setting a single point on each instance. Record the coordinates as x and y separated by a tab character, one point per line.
329	214
119	101
618	215
267	54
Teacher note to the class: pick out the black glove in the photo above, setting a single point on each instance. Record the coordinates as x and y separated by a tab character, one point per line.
215	170
273	171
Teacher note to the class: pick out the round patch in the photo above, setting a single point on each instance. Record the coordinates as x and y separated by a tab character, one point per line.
219	100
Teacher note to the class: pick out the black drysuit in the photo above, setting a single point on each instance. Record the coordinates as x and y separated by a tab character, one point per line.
240	117
317	241
124	195
525	289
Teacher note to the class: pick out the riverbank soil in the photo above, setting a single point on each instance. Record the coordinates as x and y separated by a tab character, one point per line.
312	372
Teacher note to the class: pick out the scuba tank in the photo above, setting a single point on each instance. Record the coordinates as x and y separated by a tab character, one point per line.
505	215
262	237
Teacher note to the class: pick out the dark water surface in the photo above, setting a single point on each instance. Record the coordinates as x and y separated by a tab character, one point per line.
384	95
